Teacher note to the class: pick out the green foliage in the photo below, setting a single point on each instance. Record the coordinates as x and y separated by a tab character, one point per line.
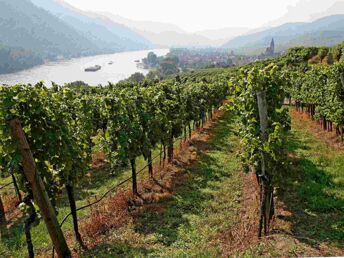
321	86
299	55
152	59
136	77
57	128
250	81
64	124
322	52
169	66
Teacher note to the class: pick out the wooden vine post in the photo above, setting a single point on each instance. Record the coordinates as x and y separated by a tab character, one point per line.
342	79
266	209
39	193
342	127
2	220
2	213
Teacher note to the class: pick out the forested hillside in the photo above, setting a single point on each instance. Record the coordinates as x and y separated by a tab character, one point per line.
106	34
29	27
13	59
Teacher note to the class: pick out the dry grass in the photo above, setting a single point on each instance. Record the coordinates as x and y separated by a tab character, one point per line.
112	214
245	233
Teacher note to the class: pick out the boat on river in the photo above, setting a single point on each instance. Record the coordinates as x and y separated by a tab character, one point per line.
93	68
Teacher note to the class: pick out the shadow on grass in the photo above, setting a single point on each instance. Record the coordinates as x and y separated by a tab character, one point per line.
116	250
166	218
309	192
190	196
12	238
90	185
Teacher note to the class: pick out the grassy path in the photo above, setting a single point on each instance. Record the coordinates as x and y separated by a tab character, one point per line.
205	201
318	189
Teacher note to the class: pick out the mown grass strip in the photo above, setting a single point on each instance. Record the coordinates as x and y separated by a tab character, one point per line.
203	205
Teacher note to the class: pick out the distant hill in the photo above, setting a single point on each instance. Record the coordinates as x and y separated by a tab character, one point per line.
325	31
34	31
168	39
169	35
223	33
13	59
105	33
23	25
150	26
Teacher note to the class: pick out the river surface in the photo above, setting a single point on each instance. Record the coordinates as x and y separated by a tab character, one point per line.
66	71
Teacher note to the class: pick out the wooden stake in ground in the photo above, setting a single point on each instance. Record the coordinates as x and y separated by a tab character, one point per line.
16	188
2	213
266	210
2	220
342	79
342	129
39	192
133	175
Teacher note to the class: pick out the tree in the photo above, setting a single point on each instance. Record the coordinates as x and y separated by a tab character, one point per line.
136	77
323	51
152	59
169	66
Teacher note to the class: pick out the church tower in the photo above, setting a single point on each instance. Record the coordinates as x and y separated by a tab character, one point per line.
272	46
270	51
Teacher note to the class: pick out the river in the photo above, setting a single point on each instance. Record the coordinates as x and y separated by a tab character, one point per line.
61	72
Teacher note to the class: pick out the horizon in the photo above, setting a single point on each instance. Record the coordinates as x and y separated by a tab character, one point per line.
220	14
75	28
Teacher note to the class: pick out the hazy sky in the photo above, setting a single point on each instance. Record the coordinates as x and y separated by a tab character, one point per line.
193	15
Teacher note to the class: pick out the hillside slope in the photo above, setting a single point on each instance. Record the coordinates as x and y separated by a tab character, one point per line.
168	35
103	32
29	27
13	59
325	31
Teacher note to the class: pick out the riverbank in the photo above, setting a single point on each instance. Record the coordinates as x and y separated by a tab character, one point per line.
66	71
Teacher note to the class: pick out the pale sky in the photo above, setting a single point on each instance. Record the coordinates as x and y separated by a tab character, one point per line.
194	15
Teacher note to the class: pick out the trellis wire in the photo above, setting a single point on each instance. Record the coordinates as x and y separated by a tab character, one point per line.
113	188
